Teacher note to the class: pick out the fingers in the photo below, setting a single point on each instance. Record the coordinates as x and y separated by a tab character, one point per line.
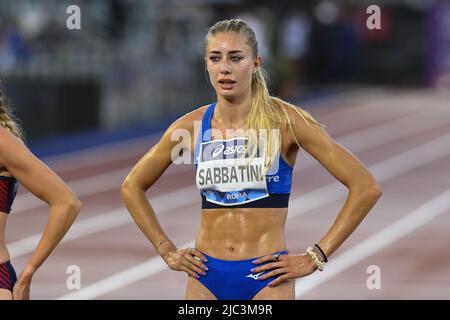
280	279
197	254
273	273
197	258
189	272
268	266
291	267
263	259
195	265
269	258
192	262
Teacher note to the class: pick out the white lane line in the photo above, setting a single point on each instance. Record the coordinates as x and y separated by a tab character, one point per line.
83	228
401	228
303	204
413	124
119	280
359	141
89	186
390	168
81	187
109	220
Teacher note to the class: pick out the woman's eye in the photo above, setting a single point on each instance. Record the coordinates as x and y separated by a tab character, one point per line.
215	59
236	59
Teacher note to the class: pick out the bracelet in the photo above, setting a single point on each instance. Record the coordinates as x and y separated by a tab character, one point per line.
321	252
157	246
313	256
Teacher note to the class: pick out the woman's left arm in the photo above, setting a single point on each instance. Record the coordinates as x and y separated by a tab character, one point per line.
364	192
47	186
363	189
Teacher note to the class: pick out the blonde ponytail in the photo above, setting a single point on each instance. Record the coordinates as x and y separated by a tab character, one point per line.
7	120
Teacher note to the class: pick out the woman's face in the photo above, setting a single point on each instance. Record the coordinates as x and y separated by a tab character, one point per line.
230	63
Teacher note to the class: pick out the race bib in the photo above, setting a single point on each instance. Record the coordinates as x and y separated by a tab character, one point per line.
225	174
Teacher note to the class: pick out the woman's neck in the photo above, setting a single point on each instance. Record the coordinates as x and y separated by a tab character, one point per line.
233	113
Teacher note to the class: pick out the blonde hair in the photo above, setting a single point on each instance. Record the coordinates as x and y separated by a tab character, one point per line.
266	112
7	120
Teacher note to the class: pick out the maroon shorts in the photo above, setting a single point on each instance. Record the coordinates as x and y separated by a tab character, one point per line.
7	276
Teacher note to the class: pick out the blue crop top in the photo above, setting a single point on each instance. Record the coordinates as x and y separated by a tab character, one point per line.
8	191
227	177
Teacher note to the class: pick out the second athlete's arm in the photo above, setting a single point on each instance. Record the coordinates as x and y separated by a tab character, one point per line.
40	180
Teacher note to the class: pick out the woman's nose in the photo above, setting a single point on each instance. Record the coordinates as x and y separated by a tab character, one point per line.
225	67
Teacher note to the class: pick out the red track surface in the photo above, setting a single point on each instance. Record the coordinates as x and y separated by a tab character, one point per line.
414	266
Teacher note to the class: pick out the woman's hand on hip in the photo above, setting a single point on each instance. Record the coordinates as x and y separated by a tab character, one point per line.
287	267
189	260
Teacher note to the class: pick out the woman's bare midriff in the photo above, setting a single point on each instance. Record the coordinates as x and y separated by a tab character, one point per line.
239	234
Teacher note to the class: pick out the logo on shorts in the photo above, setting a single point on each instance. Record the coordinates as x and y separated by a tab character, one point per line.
254	276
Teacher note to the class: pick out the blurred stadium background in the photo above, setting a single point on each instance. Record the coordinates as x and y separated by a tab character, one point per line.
84	96
139	63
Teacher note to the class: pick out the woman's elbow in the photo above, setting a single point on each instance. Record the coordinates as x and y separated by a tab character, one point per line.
368	189
374	191
68	207
76	205
73	206
126	189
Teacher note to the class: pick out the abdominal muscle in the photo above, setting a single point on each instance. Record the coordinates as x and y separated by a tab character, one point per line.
244	233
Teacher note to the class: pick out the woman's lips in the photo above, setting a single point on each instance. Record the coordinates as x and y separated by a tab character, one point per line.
227	84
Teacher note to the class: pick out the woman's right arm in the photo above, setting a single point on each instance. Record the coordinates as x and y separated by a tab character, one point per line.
144	174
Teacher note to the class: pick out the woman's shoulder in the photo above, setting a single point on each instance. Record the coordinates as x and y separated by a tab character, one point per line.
188	120
285	107
298	123
7	139
197	114
296	114
11	148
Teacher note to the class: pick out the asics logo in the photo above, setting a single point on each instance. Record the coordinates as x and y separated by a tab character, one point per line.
218	150
254	276
230	150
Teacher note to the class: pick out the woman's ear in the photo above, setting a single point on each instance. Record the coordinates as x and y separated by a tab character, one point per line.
256	63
